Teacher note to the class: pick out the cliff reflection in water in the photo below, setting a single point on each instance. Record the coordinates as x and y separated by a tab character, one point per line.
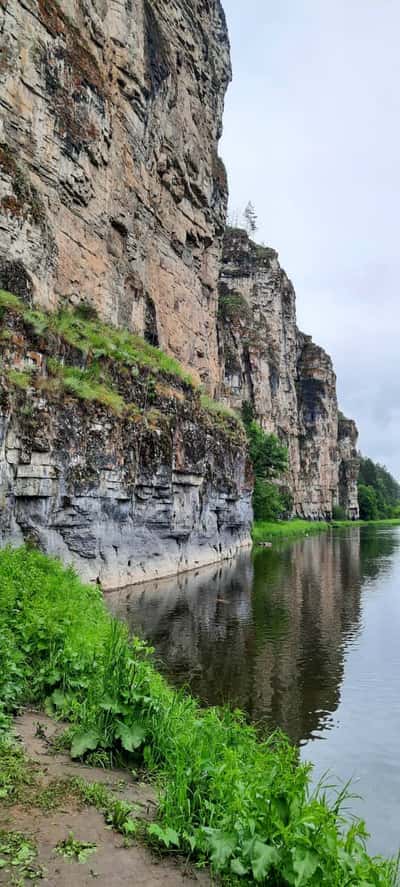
266	632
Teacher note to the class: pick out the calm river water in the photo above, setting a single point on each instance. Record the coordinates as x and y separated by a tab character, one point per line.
305	636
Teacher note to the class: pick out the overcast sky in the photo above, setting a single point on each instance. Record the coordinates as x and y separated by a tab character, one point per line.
312	137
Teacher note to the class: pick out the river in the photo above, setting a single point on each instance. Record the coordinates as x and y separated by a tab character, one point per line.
304	636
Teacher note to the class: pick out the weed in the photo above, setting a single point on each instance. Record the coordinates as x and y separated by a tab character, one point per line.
20	379
220	410
77	851
15	775
18	852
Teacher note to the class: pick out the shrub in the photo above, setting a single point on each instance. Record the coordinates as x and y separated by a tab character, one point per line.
338	513
368	503
268	504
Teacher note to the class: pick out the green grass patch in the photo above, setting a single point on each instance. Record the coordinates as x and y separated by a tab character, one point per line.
227	797
219	409
18	853
84	331
20	379
382	522
266	530
84	385
100	345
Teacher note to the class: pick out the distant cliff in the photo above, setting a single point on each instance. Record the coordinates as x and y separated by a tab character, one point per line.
289	380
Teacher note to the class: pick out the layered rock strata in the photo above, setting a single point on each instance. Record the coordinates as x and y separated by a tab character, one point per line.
111	189
288	379
159	489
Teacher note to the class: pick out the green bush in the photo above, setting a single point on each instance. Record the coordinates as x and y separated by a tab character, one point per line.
268	504
339	513
227	798
270	461
368	503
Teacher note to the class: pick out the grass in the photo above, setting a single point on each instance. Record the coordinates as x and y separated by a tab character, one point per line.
266	530
105	349
381	522
226	797
84	331
219	409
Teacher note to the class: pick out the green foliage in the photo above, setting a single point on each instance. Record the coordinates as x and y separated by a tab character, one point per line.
378	491
268	455
232	307
265	530
270	461
218	409
19	379
338	513
103	346
76	851
17	854
226	797
268	504
82	329
368	502
84	385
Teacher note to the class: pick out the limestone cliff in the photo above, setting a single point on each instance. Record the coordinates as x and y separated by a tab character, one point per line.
113	464
113	198
289	380
111	189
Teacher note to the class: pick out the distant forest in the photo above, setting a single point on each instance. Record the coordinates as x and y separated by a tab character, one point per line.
378	492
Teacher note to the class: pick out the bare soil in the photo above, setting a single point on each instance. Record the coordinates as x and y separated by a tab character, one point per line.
112	863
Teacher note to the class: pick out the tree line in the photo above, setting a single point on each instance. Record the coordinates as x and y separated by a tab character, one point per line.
378	491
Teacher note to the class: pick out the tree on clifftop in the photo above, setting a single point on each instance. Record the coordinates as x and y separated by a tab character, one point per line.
250	218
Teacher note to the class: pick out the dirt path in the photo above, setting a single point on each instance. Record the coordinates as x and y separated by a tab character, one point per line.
111	863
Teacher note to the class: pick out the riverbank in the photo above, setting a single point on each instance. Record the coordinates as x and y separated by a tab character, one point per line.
226	798
264	531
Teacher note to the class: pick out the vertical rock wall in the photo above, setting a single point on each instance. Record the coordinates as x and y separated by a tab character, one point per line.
111	189
289	380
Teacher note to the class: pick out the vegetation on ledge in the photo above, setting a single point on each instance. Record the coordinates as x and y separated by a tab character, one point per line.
227	797
93	361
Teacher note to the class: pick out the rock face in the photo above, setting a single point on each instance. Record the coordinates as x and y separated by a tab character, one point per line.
111	189
349	465
125	498
289	380
112	196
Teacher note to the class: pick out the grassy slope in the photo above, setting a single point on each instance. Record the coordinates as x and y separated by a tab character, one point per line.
266	530
101	343
226	796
